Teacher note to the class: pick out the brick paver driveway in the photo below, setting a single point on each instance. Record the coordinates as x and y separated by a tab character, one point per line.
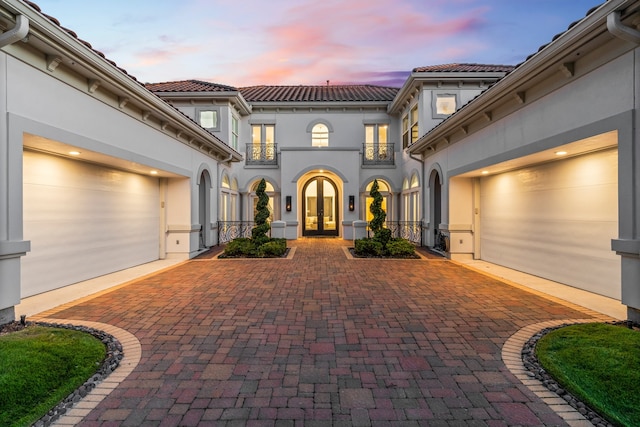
320	339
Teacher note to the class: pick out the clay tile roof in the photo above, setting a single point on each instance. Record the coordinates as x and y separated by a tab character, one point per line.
323	93
189	86
458	68
37	8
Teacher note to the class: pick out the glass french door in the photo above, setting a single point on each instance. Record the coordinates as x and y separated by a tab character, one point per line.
320	199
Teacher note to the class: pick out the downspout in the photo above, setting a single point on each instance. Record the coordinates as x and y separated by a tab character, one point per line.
618	29
18	32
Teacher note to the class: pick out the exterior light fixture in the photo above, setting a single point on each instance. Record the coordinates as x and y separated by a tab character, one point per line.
352	203
153	172
74	153
287	204
561	153
485	172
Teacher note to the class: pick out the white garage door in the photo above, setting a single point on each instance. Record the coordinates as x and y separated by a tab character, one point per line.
556	221
84	221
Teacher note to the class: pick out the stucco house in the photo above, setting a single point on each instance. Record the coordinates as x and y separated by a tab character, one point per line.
533	167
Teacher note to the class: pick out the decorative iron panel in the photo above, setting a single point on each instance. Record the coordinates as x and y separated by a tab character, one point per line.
261	154
229	230
378	154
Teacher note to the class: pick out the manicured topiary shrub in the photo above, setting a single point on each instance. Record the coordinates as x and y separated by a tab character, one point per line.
262	227
382	243
260	245
379	215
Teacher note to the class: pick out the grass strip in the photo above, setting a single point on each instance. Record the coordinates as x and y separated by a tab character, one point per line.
599	364
40	366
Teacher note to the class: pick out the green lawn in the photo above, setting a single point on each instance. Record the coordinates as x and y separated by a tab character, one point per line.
40	366
599	364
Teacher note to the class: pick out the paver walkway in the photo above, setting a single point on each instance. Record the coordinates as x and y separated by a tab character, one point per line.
322	340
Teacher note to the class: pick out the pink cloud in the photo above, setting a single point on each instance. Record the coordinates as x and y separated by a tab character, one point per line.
315	41
169	49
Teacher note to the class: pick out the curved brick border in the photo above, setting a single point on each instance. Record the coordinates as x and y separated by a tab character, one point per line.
132	352
512	357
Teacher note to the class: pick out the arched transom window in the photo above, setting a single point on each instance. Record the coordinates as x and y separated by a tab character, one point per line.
320	135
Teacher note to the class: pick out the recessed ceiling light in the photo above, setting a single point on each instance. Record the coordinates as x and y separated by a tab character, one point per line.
485	172
154	172
74	153
560	153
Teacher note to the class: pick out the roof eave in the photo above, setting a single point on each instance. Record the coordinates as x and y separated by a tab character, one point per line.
87	61
234	97
319	104
417	78
553	52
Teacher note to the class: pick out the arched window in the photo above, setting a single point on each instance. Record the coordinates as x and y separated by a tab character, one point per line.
411	198
320	135
228	199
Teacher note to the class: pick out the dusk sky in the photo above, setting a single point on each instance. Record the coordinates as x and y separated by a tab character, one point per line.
280	42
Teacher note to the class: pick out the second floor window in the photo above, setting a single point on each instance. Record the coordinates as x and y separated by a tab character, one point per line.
234	133
263	138
320	135
376	141
414	124
208	119
410	127
444	104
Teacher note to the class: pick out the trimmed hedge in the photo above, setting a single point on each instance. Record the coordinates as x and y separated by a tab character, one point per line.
244	247
374	247
368	247
400	247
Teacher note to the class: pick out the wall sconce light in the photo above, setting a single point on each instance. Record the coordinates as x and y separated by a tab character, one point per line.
287	204
352	203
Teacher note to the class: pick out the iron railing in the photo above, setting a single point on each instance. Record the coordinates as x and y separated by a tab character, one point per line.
378	154
410	230
229	230
262	154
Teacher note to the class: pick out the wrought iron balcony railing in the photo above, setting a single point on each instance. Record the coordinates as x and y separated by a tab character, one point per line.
262	154
378	154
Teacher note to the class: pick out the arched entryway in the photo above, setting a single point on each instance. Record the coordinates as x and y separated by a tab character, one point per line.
320	207
435	202
204	213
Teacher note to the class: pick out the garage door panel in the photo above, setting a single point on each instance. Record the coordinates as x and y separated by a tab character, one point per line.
84	221
555	221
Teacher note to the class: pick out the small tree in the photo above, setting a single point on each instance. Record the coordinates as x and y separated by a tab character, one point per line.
259	232
382	244
379	215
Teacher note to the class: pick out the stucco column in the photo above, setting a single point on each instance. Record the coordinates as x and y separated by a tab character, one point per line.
12	246
628	243
359	230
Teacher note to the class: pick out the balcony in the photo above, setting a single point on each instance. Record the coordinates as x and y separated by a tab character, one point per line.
378	154
261	155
